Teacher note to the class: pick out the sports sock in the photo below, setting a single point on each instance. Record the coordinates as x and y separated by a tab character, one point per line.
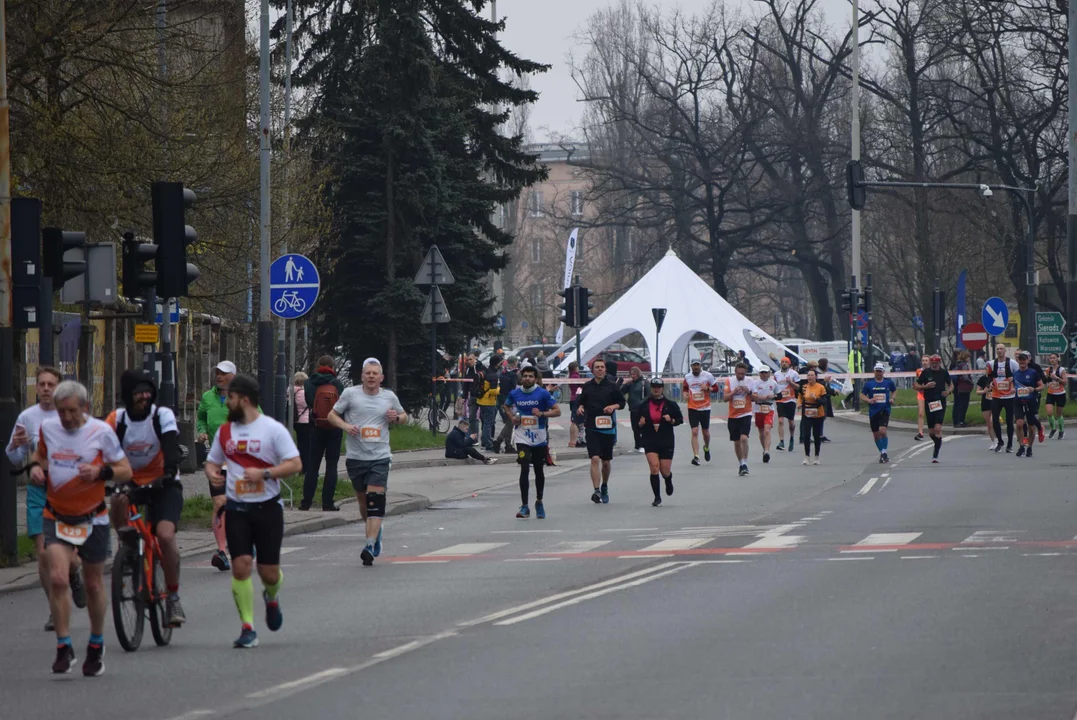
65	640
243	594
275	588
938	444
879	444
885	440
97	640
654	486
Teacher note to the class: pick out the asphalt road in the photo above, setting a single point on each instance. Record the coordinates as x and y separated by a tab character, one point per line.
849	590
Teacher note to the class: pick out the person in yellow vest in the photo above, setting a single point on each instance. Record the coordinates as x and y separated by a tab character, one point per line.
490	381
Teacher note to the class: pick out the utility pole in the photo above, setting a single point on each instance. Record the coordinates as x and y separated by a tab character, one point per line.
854	99
265	320
8	498
1071	217
287	201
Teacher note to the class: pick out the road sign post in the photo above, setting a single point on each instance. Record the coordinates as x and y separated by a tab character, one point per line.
434	272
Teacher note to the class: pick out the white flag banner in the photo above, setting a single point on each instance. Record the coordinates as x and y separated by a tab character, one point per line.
570	266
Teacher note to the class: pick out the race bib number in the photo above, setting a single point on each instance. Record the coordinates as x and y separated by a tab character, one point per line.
1024	391
370	433
879	398
250	487
697	396
656	427
528	421
934	405
787	394
764	408
1055	388
811	412
739	403
603	422
1002	386
73	534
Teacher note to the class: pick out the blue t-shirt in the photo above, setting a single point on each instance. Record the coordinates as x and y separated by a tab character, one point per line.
1025	381
532	430
882	392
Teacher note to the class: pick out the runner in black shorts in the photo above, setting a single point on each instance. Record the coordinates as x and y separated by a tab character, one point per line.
1056	395
936	385
657	418
599	399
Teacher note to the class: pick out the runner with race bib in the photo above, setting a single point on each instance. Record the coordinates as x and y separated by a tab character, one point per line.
878	393
697	391
788	381
1028	381
765	393
528	406
936	385
738	393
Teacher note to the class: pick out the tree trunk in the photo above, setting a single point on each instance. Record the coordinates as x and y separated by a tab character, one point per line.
390	261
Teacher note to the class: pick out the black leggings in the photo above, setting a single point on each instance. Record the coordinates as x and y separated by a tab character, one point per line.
997	405
811	427
540	480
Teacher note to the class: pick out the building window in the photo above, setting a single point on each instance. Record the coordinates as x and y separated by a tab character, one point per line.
538	298
576	197
536	250
534	203
630	244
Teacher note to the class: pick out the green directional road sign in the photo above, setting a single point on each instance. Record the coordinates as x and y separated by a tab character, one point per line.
1050	343
1049	322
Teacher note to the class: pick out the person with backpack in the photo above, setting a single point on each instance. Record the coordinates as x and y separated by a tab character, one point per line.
510	378
486	401
322	391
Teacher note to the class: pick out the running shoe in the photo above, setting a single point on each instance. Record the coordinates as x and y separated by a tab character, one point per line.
792	447
94	665
489	461
824	439
220	561
1009	448
766	457
1041	434
781	445
174	611
991	445
274	616
540	510
707	453
247	639
934	461
816	461
886	457
743	471
50	626
78	588
695	461
65	658
1021	451
669	485
998	446
657	501
1061	433
1028	454
640	450
1051	434
596	497
523	513
881	461
367	556
806	462
605	494
918	436
377	542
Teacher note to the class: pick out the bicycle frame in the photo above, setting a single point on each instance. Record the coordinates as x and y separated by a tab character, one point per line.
149	550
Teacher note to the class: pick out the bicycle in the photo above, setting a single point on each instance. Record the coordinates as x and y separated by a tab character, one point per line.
289	301
138	580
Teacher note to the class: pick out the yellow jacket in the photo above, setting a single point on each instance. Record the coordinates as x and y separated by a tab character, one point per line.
489	394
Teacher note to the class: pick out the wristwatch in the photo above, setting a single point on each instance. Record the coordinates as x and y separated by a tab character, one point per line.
266	475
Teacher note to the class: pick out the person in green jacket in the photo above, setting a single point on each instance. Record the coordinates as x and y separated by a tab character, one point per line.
212	413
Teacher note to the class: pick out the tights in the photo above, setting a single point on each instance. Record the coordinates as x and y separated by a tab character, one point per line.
540	481
997	406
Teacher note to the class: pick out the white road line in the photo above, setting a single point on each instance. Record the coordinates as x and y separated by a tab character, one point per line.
193	714
531	559
775	541
825	512
308	680
970	556
868	486
574	547
285	551
636	557
626	529
851	558
677	544
870	543
465	549
419	562
919	557
781	529
720	562
885	475
993	536
885	483
1042	555
522	532
993	547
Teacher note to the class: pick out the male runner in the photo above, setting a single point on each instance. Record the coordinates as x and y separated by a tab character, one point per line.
365	414
599	398
788	381
257	451
1028	382
936	385
764	393
697	389
738	393
20	447
878	393
76	455
1003	395
527	407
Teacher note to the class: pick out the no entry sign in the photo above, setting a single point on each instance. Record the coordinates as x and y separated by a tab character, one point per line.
974	336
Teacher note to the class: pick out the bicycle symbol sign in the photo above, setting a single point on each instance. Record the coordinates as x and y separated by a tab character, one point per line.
293	286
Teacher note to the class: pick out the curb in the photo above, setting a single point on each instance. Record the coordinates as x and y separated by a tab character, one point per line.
564	454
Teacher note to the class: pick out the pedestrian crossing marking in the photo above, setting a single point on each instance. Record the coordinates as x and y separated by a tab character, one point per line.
991	536
465	549
775	542
879	542
677	544
575	547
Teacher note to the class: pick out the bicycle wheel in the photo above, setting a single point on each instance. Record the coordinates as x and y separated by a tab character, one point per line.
158	592
442	421
128	608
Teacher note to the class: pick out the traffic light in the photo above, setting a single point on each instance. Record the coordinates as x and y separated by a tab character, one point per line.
584	306
847	302
25	262
172	235
54	243
854	184
137	278
568	307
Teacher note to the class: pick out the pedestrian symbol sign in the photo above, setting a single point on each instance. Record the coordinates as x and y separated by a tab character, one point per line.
293	286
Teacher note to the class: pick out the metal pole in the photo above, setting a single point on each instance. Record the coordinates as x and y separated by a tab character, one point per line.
265	321
149	316
1071	216
44	333
854	99
1028	323
8	519
433	363
291	368
168	382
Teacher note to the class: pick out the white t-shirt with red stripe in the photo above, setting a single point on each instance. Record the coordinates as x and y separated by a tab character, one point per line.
261	444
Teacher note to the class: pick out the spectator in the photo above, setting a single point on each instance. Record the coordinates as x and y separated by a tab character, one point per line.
635	392
508	382
742	358
486	402
321	393
461	446
301	417
963	385
543	365
472	371
576	423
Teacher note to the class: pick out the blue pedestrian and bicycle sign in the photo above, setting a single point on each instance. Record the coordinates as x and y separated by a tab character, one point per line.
995	316
293	286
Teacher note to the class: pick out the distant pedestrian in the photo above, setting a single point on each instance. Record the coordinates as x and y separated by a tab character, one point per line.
321	392
635	392
301	416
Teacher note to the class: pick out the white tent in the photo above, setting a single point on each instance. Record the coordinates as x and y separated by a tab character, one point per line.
692	306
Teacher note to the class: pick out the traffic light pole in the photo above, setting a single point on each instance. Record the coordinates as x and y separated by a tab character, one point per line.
149	313
8	495
265	319
44	332
168	383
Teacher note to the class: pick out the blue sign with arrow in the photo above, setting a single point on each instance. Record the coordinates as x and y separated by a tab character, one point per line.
995	316
293	286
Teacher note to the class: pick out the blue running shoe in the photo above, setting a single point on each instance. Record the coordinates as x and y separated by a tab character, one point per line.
274	616
377	543
367	555
540	510
523	513
605	491
247	639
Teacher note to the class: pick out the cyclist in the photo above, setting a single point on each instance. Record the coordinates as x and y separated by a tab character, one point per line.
935	383
20	447
257	451
149	437
1056	395
738	393
211	414
365	414
878	393
527	408
76	454
764	392
788	381
657	418
697	389
1029	382
599	398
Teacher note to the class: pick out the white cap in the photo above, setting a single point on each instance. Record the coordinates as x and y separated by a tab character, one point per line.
880	366
227	366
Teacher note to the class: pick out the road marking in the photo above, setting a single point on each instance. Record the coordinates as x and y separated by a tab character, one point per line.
868	486
677	544
992	536
781	529
885	475
522	532
534	559
626	529
775	541
285	551
970	556
919	557
1042	555
465	549
994	547
573	547
193	714
851	558
885	483
308	680
881	542
720	562
825	512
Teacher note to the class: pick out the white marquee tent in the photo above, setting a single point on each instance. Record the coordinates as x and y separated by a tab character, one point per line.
692	307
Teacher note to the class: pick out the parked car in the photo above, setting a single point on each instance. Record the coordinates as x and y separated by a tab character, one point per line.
626	360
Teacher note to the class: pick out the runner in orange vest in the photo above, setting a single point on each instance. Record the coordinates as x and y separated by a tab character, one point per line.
738	393
697	390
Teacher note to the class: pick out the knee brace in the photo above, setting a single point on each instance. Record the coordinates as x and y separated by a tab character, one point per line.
375	504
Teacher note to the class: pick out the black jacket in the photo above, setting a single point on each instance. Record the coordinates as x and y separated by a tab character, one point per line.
596	396
473	389
663	436
455	444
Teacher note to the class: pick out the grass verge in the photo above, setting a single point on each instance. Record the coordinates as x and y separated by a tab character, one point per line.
414	437
197	512
24	551
295	482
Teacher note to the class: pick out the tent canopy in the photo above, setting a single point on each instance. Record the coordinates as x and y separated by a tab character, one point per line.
692	306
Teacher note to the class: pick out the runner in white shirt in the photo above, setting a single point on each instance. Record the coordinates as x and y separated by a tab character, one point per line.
737	391
788	381
249	455
765	391
697	388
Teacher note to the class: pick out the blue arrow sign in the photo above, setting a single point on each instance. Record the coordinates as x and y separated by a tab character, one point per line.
293	286
918	322
995	316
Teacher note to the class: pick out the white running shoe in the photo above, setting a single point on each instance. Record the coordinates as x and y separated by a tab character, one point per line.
816	461
806	462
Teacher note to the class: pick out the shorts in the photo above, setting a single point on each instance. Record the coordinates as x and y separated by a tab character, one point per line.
935	418
739	427
1057	400
985	404
573	408
95	550
701	418
532	455
364	473
664	452
1026	411
763	420
163	503
600	444
787	410
215	491
255	526
879	420
35	509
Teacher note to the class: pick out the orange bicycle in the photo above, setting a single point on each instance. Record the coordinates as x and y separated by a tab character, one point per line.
138	580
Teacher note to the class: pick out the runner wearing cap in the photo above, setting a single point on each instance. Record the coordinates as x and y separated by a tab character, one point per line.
697	389
878	393
764	393
738	393
657	418
936	385
788	381
211	414
1028	382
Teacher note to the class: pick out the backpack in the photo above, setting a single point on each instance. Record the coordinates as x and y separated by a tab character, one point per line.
325	397
121	424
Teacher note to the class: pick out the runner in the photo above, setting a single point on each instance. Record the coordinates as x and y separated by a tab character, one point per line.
788	381
149	437
1056	395
365	414
598	399
211	414
983	389
935	383
764	394
697	390
20	447
737	391
1043	376
256	451
1028	381
1001	371
925	363
658	417
878	393
527	408
813	413
76	455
